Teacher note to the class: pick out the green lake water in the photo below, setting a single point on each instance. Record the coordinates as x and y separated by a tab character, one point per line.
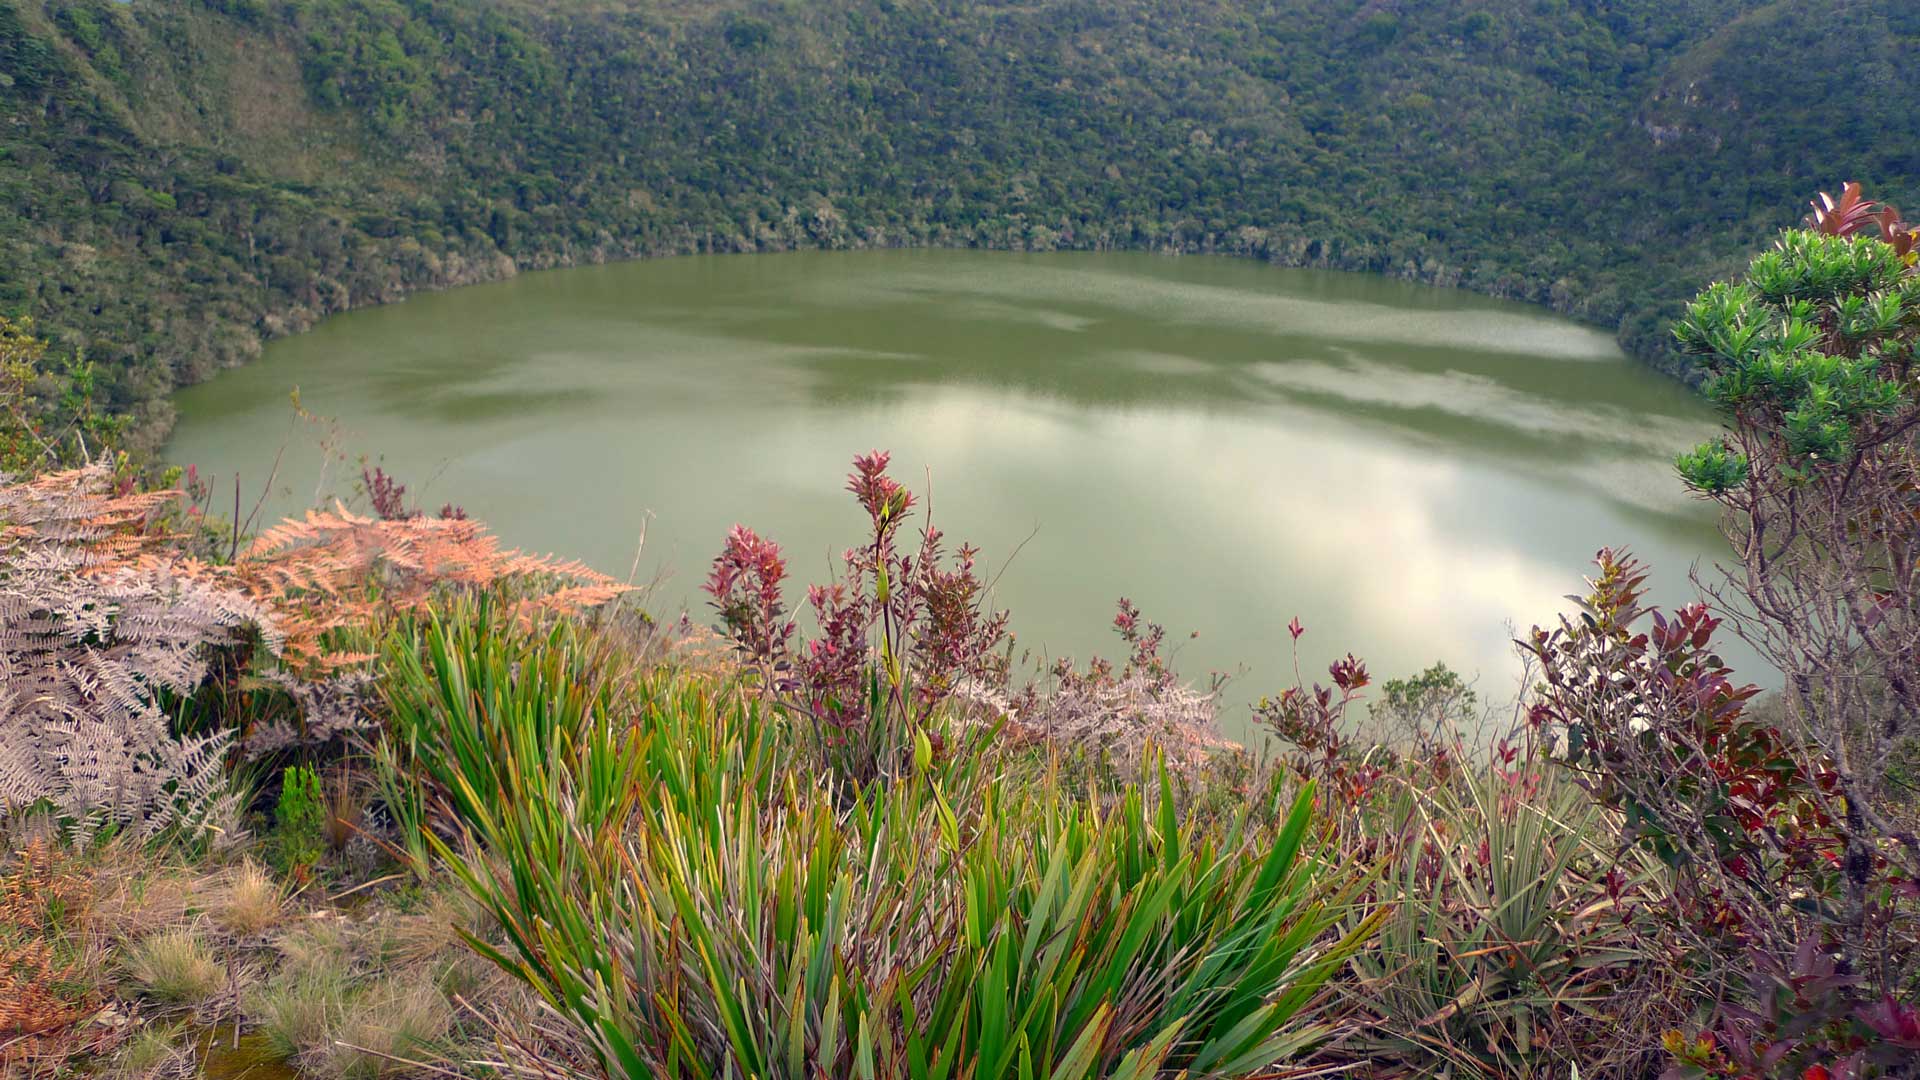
1413	472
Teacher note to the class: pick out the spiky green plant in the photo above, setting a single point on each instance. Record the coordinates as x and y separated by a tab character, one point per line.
1502	949
695	906
299	818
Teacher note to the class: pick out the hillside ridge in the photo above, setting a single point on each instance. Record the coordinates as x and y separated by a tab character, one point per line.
194	177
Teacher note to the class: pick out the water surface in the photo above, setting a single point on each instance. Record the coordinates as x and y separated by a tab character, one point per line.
1410	471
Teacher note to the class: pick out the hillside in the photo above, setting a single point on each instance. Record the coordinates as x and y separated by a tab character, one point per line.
190	177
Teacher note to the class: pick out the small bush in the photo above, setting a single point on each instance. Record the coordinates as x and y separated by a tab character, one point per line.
299	838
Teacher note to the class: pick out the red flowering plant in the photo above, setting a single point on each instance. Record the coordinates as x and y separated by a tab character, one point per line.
897	637
1312	722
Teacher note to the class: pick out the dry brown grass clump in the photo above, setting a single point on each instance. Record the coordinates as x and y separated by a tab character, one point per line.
251	901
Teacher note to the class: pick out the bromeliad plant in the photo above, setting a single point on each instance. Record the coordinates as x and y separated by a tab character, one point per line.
696	902
897	636
1510	946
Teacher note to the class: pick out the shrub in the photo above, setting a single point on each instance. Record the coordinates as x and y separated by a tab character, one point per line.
1794	845
1811	360
1511	944
1311	722
1656	729
49	419
1132	713
1654	725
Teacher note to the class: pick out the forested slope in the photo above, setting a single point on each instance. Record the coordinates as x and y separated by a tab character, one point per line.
186	177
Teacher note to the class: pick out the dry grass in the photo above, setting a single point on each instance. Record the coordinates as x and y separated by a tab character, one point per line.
395	1021
251	901
351	1003
434	933
135	897
299	1007
318	942
175	967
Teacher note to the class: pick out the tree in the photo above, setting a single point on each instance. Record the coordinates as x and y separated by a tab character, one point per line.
1811	361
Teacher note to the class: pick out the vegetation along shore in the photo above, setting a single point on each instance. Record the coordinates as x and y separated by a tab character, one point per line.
189	179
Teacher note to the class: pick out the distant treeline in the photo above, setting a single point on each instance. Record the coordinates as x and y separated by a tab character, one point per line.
189	177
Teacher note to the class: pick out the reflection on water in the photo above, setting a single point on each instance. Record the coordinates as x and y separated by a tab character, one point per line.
1408	470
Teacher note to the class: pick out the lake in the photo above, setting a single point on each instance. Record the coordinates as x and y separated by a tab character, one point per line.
1413	472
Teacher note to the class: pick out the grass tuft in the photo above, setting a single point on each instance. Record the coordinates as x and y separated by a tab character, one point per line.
175	967
297	1009
153	1053
396	1021
252	901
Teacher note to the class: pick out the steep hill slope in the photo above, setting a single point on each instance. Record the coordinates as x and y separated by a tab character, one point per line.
190	176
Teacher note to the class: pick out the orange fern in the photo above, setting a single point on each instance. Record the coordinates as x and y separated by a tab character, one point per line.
324	572
336	569
40	994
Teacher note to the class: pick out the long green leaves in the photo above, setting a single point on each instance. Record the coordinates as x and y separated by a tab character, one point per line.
697	908
1484	951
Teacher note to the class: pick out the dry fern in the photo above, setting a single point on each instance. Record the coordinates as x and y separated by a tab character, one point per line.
92	628
41	994
335	569
100	613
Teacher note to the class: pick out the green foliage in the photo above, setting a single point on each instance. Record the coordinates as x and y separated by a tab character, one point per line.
747	33
1714	468
48	415
1812	348
322	154
299	818
1435	703
947	924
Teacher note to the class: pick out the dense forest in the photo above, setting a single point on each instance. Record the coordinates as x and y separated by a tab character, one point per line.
190	177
